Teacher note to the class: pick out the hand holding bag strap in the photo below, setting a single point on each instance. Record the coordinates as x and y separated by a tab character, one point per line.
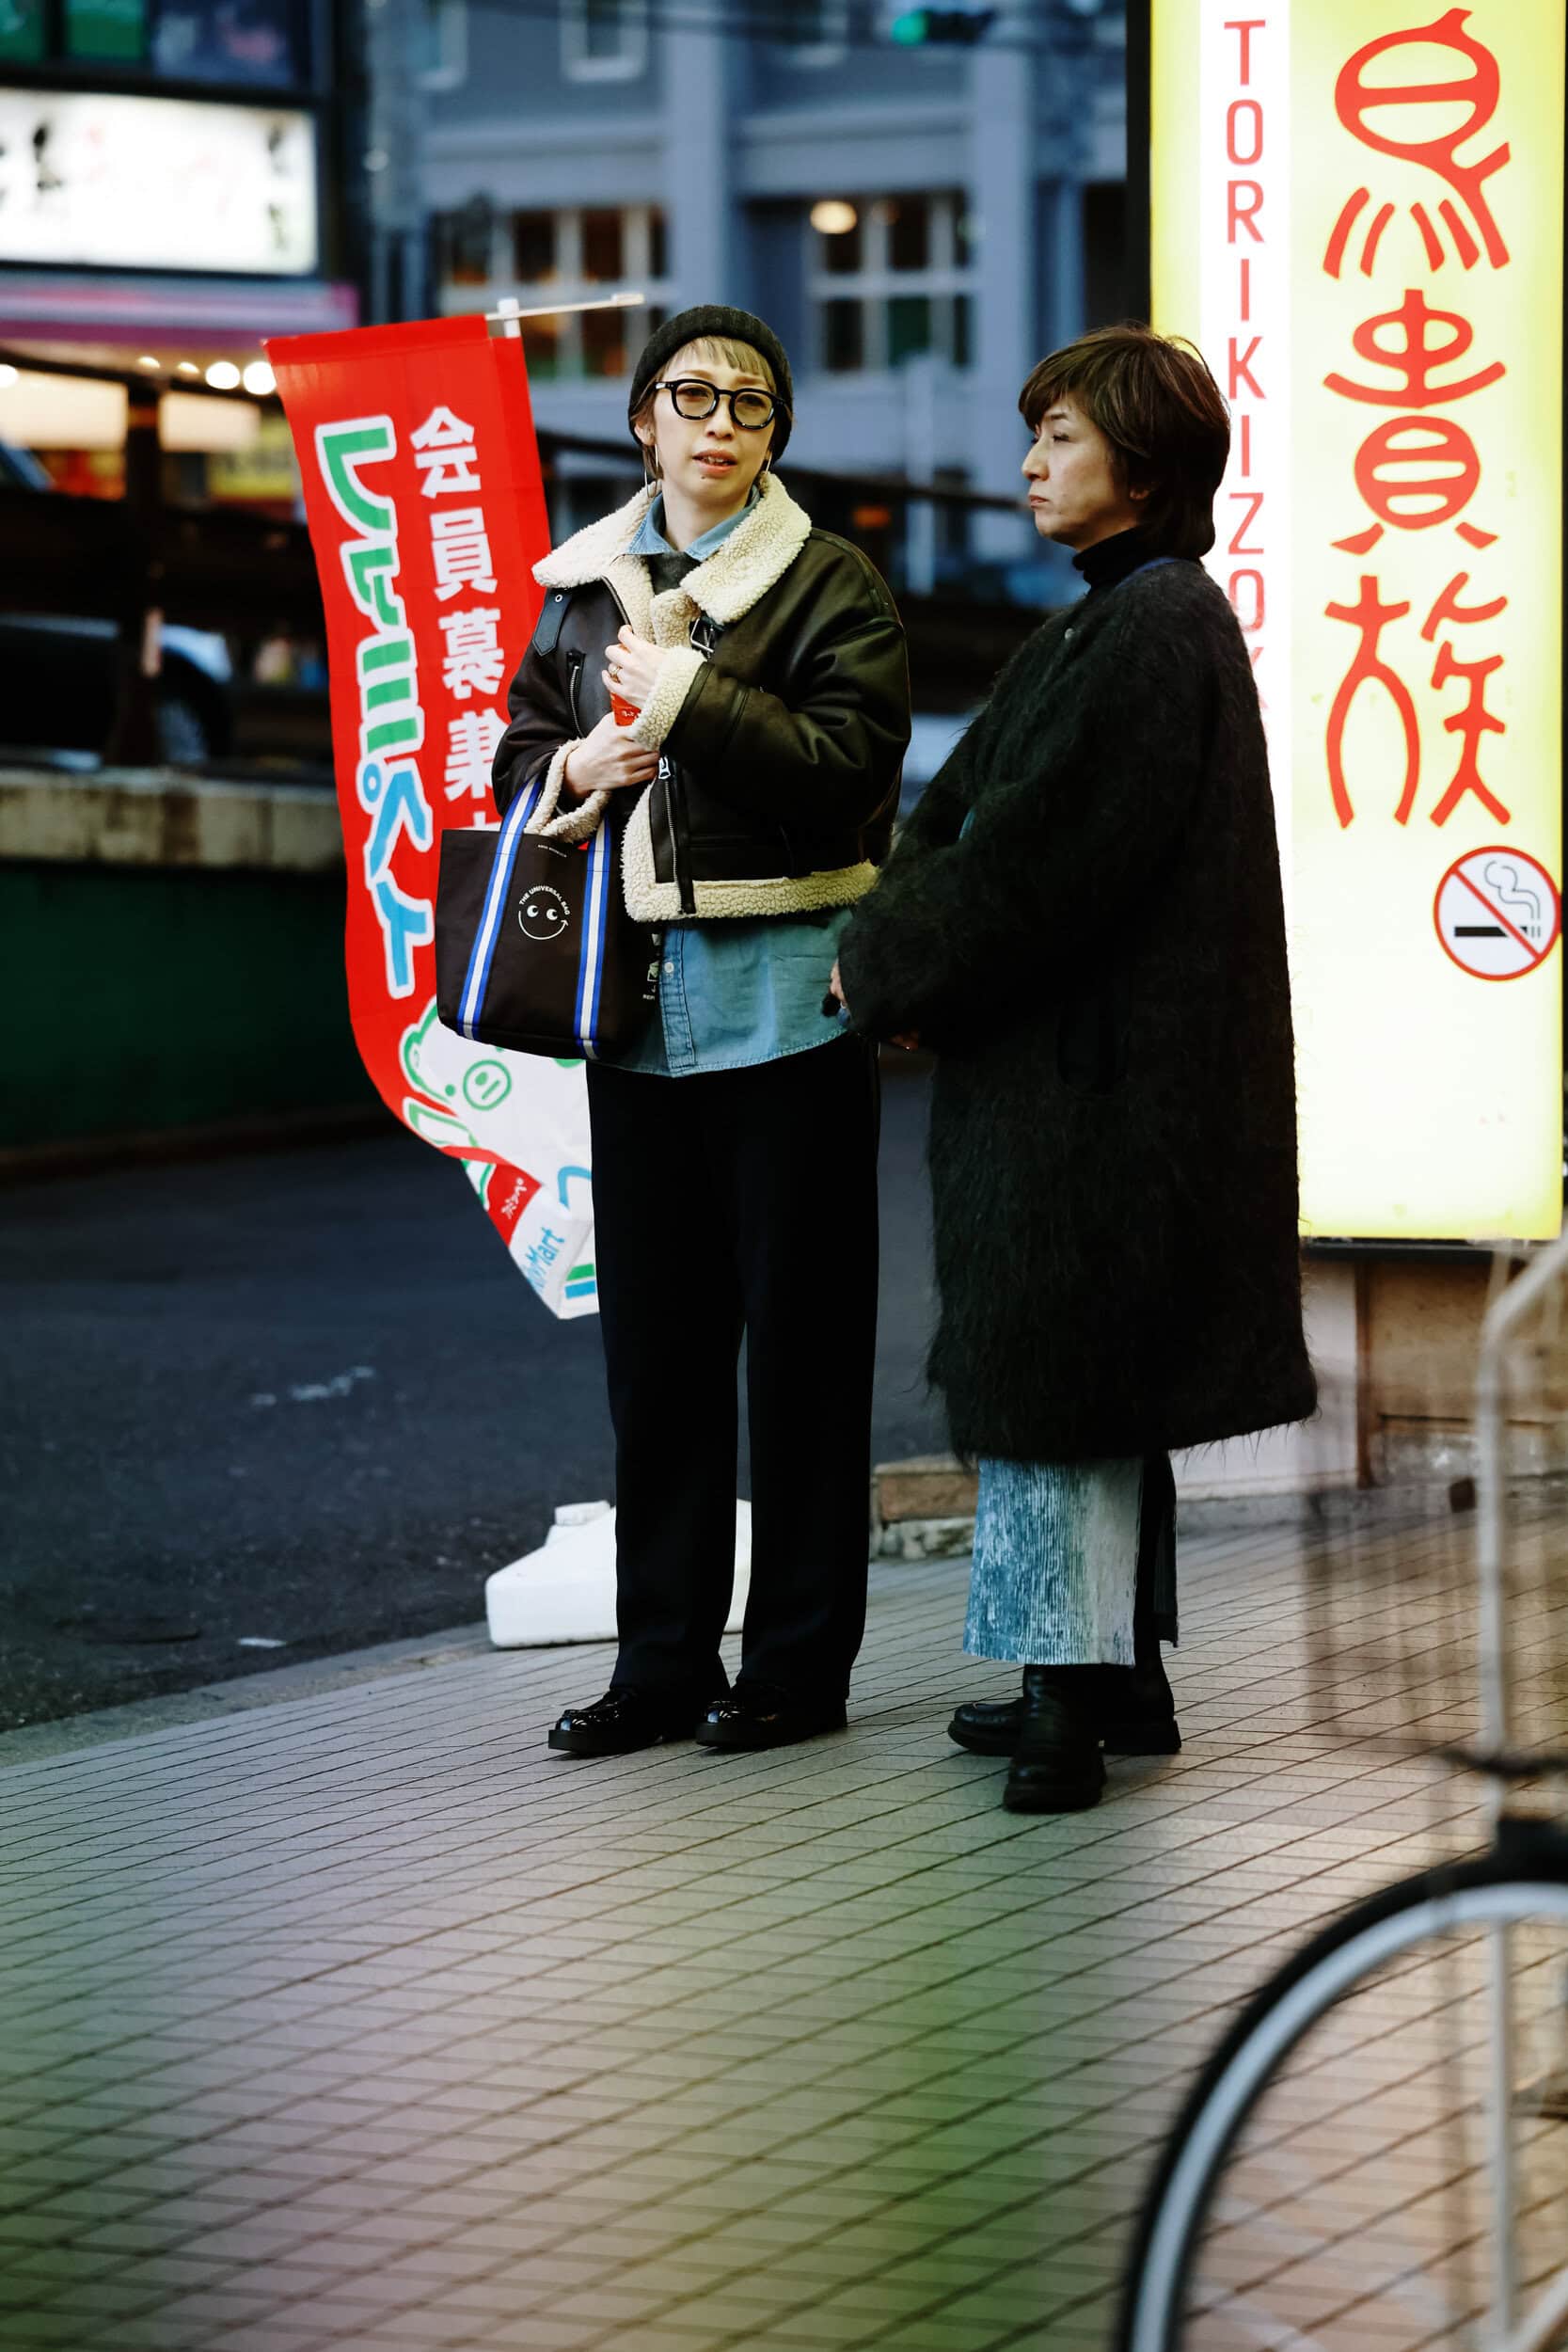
580	820
578	823
517	821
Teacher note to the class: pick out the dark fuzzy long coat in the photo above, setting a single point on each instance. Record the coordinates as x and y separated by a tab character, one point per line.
1098	962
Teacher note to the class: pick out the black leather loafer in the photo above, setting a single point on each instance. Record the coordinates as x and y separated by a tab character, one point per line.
1057	1766
623	1720
746	1720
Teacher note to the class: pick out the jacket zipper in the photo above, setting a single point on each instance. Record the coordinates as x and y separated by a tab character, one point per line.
674	801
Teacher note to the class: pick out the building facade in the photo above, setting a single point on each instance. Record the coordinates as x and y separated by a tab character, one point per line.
919	222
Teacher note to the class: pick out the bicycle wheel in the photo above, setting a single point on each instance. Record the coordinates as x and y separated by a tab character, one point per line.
1328	2186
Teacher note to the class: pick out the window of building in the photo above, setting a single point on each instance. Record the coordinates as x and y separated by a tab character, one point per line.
843	338
575	255
464	243
259	42
841	250
534	247
603	249
908	327
811	32
604	40
442	36
263	44
908	232
890	279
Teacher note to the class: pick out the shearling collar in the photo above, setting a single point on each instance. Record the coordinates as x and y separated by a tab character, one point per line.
737	575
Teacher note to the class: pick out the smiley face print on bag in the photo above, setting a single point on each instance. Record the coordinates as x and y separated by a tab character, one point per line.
543	913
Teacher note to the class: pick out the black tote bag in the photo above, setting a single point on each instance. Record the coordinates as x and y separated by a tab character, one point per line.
534	949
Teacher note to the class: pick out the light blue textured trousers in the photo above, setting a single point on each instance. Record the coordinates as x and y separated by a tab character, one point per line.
1054	1580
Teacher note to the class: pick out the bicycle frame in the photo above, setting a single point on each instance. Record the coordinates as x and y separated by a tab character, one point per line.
1503	1319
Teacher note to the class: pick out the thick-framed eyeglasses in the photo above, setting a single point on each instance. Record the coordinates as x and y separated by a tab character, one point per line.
693	399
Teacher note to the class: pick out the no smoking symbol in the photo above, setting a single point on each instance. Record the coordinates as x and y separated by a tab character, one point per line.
1498	914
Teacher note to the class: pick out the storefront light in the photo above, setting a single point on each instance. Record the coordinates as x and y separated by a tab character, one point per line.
146	360
188	422
40	411
119	172
187	367
224	376
259	378
831	218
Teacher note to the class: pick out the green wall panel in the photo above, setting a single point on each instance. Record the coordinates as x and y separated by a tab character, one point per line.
148	998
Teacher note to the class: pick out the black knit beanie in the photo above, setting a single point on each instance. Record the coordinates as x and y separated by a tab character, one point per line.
708	322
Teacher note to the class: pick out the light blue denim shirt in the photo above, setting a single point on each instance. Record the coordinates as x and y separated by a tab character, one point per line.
731	994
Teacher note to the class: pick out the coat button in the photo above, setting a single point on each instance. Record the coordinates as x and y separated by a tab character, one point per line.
1066	632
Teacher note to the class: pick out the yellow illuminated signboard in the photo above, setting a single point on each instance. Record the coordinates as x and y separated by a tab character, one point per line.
1356	211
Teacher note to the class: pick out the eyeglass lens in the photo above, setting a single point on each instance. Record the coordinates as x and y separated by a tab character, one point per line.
694	400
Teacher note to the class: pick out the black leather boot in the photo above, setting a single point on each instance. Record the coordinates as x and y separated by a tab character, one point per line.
1056	1765
1135	1710
987	1727
1138	1709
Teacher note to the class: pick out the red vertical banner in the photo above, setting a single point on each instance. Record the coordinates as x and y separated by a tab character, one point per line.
426	508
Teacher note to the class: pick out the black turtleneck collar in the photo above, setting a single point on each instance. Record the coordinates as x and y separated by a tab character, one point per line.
1111	560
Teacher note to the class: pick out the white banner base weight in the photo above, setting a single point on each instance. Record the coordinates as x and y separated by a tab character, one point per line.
566	1591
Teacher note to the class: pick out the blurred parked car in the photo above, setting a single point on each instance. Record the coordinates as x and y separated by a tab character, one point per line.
228	691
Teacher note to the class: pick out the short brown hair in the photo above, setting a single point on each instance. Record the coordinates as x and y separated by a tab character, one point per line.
1157	403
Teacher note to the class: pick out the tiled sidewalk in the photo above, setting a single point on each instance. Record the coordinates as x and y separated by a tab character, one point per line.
357	2019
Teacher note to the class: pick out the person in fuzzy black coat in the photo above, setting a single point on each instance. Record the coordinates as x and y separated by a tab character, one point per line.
1084	919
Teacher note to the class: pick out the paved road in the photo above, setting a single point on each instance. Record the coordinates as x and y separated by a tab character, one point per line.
302	1398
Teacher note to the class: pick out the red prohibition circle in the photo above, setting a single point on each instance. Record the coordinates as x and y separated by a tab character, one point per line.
1521	857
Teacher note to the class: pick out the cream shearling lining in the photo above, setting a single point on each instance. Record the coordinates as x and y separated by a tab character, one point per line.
649	900
678	672
737	575
578	822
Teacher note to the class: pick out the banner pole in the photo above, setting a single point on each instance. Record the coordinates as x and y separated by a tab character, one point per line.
508	312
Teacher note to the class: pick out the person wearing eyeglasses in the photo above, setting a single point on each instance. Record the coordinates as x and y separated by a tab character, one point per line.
727	686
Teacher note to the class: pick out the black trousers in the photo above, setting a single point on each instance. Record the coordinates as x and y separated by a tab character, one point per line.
740	1201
